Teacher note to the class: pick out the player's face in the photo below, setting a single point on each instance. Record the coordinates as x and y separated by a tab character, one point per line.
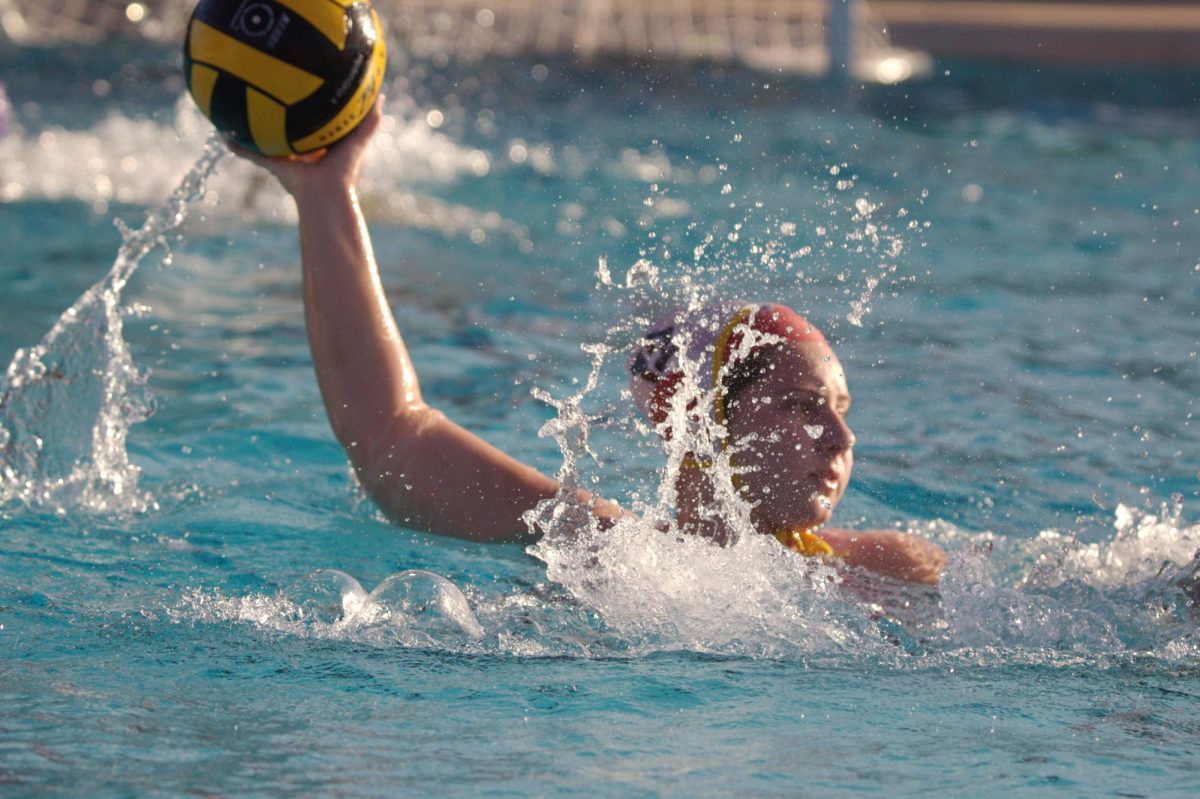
790	437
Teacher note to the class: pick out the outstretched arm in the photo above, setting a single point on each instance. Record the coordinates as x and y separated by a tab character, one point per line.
420	468
889	552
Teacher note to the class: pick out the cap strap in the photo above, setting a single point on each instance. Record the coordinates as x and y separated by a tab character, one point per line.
806	542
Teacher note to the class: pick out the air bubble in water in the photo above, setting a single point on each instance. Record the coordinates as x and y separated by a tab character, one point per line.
327	596
424	604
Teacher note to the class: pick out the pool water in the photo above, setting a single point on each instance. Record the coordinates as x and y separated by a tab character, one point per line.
202	602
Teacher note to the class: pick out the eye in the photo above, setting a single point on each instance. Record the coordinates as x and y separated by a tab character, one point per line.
803	402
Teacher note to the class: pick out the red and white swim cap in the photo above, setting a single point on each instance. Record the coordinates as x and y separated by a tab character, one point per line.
704	341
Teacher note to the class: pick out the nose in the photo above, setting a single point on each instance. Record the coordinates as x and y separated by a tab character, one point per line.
838	436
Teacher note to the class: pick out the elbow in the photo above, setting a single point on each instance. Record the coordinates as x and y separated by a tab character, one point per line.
383	458
922	561
899	556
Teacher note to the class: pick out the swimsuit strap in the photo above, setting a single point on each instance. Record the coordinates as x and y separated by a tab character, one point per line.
744	316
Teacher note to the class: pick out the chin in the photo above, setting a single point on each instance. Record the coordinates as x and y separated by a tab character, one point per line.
808	519
819	514
820	519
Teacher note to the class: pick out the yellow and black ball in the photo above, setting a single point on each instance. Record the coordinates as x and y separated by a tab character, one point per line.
284	76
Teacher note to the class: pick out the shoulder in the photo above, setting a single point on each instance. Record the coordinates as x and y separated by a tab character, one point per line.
889	552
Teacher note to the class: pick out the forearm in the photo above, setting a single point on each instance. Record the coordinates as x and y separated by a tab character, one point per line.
422	469
419	467
363	368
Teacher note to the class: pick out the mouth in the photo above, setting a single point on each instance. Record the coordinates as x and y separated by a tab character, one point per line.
828	484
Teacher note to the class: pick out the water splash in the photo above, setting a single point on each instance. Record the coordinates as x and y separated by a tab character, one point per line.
663	592
645	578
644	603
1136	592
326	596
658	588
414	608
1143	543
655	585
66	404
568	514
982	613
634	589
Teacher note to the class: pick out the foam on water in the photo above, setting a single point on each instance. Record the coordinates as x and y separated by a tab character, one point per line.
1143	543
137	161
664	592
1138	592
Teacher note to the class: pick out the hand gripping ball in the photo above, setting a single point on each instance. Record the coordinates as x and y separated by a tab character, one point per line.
284	76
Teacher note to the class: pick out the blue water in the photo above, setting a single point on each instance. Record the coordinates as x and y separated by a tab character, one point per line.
1018	247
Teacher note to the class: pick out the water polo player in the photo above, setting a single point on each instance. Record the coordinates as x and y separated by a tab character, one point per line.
776	389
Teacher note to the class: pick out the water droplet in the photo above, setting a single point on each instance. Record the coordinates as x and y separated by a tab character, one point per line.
602	273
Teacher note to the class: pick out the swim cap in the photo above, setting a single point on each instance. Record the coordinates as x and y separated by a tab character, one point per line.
706	340
702	343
